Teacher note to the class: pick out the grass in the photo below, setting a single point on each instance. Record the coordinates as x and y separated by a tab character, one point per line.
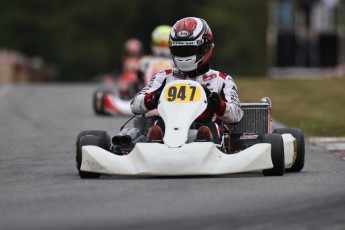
315	106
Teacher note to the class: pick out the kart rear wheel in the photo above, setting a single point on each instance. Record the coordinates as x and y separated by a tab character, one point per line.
298	165
91	137
277	154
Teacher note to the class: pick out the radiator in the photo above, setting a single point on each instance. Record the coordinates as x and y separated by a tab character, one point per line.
256	119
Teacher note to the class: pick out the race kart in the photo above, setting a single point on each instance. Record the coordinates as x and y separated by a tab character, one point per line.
105	101
246	146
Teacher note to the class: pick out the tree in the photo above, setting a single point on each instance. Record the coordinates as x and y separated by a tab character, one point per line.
84	38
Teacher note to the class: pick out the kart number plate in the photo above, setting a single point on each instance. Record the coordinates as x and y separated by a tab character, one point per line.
182	93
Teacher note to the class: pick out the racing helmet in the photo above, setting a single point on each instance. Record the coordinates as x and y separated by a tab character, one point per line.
160	40
133	47
190	43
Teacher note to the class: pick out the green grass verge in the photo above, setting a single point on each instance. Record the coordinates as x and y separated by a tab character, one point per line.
315	106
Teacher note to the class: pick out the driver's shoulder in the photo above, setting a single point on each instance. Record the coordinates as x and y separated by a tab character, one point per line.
216	75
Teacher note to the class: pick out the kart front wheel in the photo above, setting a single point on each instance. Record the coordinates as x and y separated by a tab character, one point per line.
277	154
97	102
103	135
298	165
93	137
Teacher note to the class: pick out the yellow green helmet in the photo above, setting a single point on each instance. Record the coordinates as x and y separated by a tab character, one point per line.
160	40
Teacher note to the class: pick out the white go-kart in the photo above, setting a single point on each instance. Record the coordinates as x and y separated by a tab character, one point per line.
117	102
246	146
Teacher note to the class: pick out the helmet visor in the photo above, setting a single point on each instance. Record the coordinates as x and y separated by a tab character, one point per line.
183	51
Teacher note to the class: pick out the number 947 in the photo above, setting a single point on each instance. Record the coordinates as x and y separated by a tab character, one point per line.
182	93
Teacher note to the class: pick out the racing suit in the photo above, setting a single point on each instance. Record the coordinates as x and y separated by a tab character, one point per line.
215	81
151	65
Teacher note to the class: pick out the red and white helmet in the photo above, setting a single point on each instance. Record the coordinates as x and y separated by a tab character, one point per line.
191	43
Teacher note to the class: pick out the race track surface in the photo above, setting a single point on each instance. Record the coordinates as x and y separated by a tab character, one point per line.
40	187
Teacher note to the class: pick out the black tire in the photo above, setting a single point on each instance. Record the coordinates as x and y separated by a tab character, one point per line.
300	158
103	135
277	154
91	137
97	102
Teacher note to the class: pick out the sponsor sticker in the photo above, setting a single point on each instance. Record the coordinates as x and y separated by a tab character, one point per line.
209	77
248	137
183	33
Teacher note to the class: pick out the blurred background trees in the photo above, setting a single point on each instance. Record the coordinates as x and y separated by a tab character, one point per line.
85	37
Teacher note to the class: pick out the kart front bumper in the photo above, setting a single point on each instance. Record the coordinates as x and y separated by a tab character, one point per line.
190	159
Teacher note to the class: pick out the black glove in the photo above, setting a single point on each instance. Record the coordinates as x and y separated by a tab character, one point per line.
214	101
151	99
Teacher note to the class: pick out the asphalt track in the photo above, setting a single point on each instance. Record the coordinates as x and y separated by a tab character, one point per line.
40	187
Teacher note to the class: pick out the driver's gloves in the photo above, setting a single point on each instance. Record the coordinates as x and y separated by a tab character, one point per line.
216	103
151	99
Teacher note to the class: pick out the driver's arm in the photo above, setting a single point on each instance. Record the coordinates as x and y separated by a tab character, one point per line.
138	102
228	91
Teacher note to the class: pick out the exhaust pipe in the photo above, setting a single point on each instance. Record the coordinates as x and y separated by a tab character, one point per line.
116	140
126	136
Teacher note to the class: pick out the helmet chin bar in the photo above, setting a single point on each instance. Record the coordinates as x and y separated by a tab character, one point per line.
186	64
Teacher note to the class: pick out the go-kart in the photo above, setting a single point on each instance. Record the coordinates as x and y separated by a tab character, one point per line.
116	102
246	146
106	102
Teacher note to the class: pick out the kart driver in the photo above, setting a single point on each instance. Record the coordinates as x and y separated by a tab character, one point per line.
160	59
191	45
133	52
128	80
